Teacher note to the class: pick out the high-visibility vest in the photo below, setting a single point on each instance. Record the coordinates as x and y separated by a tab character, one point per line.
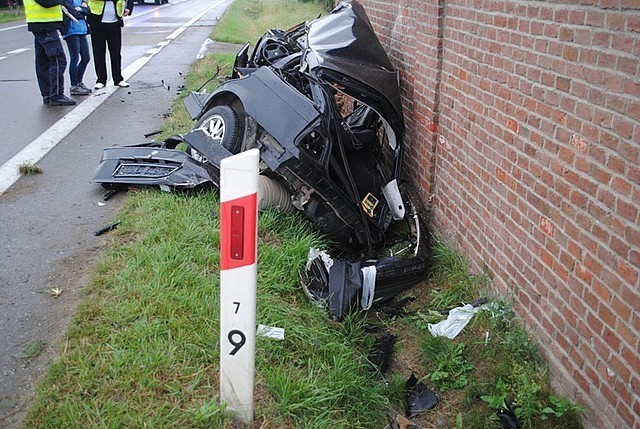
36	13
97	6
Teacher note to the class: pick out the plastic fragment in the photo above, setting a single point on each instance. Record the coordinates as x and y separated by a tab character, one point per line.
419	397
454	324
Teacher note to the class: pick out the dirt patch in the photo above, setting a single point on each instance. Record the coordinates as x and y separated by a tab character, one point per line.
23	365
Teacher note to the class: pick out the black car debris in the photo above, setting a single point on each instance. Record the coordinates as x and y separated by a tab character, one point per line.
321	101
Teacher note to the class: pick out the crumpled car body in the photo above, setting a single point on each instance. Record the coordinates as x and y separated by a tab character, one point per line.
321	101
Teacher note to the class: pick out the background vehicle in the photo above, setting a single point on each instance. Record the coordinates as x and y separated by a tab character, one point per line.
154	1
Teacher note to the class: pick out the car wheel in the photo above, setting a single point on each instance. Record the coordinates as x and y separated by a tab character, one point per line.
222	124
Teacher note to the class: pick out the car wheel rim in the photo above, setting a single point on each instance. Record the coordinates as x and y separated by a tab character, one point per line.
214	128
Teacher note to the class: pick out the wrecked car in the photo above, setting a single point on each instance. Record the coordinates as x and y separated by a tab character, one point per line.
321	101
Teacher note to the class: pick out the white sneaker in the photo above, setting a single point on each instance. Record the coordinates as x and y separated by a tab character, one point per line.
99	85
123	84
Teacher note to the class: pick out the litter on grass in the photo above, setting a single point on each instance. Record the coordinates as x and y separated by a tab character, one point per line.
270	332
458	318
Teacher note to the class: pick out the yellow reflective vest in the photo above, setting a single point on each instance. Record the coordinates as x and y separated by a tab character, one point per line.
36	13
97	6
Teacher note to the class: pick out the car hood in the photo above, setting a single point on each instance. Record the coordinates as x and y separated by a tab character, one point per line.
344	48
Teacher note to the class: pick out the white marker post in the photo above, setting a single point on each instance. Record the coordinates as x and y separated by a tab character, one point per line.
238	279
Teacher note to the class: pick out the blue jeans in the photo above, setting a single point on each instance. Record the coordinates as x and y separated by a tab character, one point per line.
78	57
51	63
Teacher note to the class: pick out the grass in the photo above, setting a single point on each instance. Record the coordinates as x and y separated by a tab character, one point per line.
29	169
492	366
33	349
142	349
247	20
11	14
146	335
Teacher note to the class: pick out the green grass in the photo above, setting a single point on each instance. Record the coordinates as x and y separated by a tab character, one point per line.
492	365
11	14
146	335
33	349
247	20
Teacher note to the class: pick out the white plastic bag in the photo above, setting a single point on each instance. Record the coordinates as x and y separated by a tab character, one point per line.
455	323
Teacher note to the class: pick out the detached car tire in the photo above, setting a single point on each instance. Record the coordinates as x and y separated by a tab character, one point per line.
222	124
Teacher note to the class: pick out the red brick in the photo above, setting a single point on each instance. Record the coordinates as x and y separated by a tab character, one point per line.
595	323
606	315
621	388
582	382
626	415
629	273
619	246
608	393
593	377
547	226
612	339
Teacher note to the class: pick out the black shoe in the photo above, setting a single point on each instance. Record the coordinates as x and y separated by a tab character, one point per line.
62	100
46	99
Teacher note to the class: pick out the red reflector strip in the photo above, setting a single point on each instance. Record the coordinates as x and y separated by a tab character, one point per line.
238	232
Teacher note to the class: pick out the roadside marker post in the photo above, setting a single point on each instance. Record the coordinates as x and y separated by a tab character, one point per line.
238	281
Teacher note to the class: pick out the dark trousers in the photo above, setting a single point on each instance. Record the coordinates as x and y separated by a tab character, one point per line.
78	57
105	36
50	63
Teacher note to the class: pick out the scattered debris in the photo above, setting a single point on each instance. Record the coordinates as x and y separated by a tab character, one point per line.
152	133
458	318
419	397
109	194
405	423
382	351
508	419
106	229
338	283
270	332
477	303
55	292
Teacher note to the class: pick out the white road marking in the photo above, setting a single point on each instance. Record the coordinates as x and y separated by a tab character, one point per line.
14	52
13	28
37	149
17	51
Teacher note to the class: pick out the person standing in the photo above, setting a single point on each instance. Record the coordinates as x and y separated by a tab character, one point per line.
44	20
75	34
105	22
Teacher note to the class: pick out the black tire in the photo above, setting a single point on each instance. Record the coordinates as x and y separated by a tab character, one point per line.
222	124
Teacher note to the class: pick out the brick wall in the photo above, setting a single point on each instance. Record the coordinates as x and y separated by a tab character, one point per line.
524	130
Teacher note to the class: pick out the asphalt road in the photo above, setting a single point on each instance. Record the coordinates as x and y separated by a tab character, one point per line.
47	220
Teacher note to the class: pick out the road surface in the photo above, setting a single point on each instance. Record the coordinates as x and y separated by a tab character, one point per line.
47	220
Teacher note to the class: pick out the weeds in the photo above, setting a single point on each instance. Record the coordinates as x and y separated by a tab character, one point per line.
450	369
29	169
450	268
12	13
33	349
